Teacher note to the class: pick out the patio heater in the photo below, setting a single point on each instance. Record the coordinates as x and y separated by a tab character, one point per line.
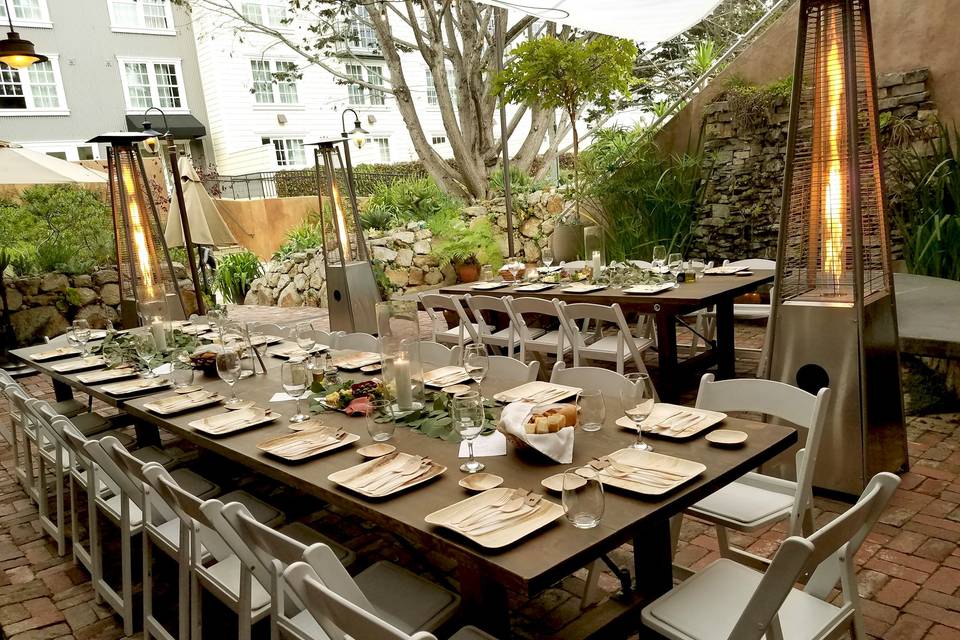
834	317
352	292
148	286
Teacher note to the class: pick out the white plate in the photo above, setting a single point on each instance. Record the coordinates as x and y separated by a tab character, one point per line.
488	286
178	403
532	288
726	437
583	288
90	362
132	387
287	351
104	376
649	289
54	354
445	376
664	411
532	389
723	271
347	477
686	470
307	436
352	360
545	513
215	425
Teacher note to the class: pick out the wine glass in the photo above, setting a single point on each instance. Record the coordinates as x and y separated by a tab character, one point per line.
305	336
467	414
582	497
659	257
215	317
81	332
637	400
476	363
228	368
675	264
547	256
515	266
293	377
698	265
146	349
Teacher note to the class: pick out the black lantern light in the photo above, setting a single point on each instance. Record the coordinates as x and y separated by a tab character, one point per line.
15	51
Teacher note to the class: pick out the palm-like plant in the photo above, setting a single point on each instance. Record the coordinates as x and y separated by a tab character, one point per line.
235	273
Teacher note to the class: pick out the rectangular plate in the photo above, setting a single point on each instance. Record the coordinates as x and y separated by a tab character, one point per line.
287	351
583	288
83	364
209	426
55	354
663	410
129	388
105	376
98	334
687	468
546	513
489	286
162	407
353	360
446	376
649	289
723	271
529	389
533	288
346	476
308	435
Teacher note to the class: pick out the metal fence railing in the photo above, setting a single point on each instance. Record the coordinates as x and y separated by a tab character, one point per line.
286	184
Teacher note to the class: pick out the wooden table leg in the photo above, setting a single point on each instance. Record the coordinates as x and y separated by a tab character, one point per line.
484	601
726	351
62	391
669	386
653	567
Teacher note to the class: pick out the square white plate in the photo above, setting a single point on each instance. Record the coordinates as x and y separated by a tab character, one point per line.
545	513
649	289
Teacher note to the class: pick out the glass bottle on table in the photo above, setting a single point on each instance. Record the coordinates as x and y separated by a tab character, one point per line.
293	377
228	368
637	400
466	410
486	273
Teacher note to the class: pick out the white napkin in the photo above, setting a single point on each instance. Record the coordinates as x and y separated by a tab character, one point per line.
284	397
494	444
163	369
556	446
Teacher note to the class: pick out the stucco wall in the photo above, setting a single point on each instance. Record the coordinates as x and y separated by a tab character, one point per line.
259	225
907	35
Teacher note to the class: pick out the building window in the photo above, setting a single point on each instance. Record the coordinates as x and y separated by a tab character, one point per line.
27	12
37	88
289	152
267	14
431	90
267	89
383	146
141	15
149	83
85	153
360	95
361	34
435	140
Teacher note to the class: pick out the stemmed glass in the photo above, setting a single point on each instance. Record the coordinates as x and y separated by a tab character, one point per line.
215	318
228	368
515	266
547	256
293	377
582	497
476	363
305	336
659	257
675	264
81	332
637	400
146	348
467	413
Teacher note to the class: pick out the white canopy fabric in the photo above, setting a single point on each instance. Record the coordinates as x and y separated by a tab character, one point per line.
647	21
23	166
206	226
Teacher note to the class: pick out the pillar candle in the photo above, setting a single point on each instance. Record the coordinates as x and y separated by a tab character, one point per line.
401	373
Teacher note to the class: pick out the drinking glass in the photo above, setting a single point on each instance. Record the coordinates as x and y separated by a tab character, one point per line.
182	370
467	414
316	365
486	273
81	331
146	348
476	363
228	368
637	401
698	265
293	377
72	337
306	336
215	318
547	256
592	410
659	257
515	266
582	497
675	264
380	430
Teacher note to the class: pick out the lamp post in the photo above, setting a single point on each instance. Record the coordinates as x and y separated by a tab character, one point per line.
358	135
152	143
16	52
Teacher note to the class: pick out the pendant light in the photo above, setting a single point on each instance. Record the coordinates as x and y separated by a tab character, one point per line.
16	52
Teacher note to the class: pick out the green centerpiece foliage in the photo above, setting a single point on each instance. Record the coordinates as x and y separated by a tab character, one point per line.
120	349
434	419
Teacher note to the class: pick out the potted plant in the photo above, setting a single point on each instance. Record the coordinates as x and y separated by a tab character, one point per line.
467	247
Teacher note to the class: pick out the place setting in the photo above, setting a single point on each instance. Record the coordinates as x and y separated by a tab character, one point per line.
497	517
445	376
387	475
55	354
136	387
96	377
182	402
674	421
303	444
81	364
644	472
537	392
231	422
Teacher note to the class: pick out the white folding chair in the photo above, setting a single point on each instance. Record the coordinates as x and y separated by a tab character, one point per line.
434	353
508	338
354	620
756	500
620	348
505	368
25	429
554	342
727	600
53	455
359	342
608	382
270	329
436	304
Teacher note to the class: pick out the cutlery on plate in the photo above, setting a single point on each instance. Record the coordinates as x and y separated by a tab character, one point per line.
512	522
527	504
499	502
396	464
389	485
515	502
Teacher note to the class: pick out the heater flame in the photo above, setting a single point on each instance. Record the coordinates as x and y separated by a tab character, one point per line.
141	246
832	205
341	223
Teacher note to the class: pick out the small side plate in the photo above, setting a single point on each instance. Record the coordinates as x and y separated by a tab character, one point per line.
726	438
376	450
555	482
480	481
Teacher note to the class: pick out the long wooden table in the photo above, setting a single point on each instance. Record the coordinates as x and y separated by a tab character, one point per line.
532	564
666	307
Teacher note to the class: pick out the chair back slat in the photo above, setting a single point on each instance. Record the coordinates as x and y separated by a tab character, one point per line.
213	510
331	571
510	369
267	543
436	353
433	302
359	342
188	507
608	382
134	468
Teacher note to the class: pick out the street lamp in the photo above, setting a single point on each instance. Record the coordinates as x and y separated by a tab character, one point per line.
357	134
152	144
16	52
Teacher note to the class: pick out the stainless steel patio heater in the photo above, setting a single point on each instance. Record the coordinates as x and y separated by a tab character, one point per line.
352	292
834	316
148	287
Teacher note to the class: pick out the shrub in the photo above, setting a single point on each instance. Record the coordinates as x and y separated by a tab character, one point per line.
520	181
460	242
235	273
306	236
411	199
376	219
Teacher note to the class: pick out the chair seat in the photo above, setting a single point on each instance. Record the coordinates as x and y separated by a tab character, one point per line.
405	600
195	483
68	408
260	510
608	345
307	535
746	504
502	337
153	454
471	633
90	423
708	606
226	574
307	626
112	506
751	311
453	335
547	342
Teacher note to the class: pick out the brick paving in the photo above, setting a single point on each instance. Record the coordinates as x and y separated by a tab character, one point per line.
909	567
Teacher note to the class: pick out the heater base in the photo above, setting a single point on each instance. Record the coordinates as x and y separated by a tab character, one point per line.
352	296
818	345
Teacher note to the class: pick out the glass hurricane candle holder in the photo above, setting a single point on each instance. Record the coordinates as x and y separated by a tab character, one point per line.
402	373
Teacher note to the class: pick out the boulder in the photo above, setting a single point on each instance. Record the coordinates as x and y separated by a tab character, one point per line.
316	280
475	211
83	296
28	286
529	227
106	276
421	247
378	242
41	299
283	281
110	294
252	297
98	314
14	299
554	204
289	297
424	234
31	325
309	268
83	280
273	278
405	257
188	298
433	276
384	254
397	277
425	261
415	276
179	271
531	252
406	237
300	281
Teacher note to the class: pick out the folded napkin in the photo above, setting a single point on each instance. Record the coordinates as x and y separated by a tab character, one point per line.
556	446
494	444
282	396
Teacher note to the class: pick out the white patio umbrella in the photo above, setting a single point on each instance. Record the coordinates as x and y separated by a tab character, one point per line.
23	166
207	228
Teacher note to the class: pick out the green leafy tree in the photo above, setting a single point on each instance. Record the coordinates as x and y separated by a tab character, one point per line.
550	73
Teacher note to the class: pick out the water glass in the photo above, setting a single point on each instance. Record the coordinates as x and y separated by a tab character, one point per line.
637	400
293	377
380	424
81	332
182	370
659	257
467	413
582	497
675	264
486	273
592	410
228	368
305	336
698	265
146	349
547	256
515	266
476	363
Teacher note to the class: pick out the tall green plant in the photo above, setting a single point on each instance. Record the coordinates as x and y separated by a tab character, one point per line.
235	273
409	199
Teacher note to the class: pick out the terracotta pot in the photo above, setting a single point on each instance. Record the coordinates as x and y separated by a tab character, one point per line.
467	271
567	241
